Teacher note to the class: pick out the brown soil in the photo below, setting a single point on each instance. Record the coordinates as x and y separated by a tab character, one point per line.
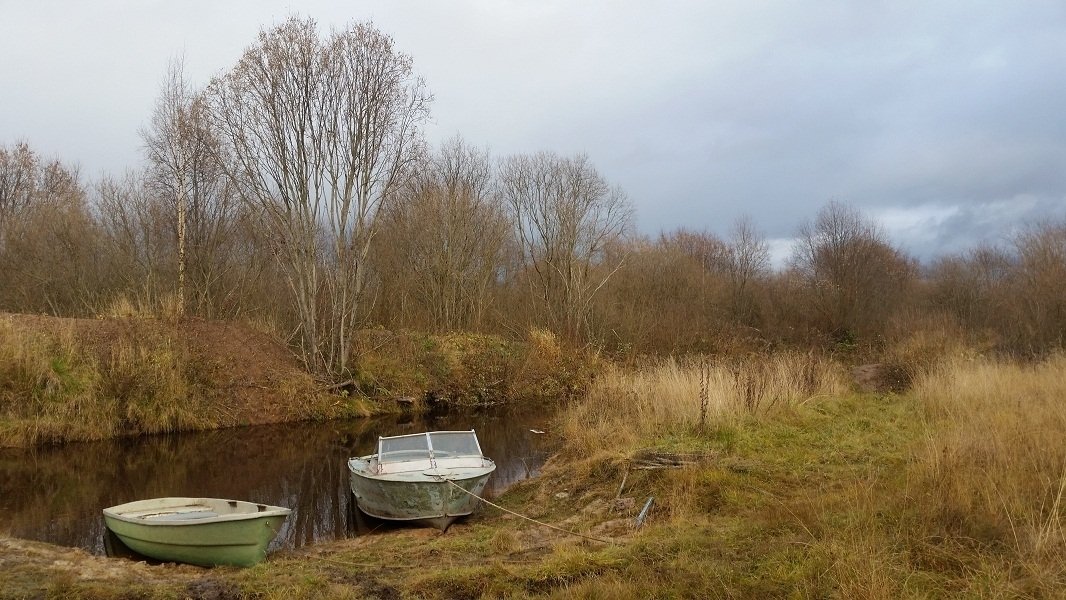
880	378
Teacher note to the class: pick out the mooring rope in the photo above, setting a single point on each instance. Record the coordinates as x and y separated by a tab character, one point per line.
548	525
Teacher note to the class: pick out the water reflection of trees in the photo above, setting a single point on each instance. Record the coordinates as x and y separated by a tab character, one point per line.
55	494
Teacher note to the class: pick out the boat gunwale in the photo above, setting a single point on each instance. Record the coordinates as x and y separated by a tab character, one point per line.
420	475
270	511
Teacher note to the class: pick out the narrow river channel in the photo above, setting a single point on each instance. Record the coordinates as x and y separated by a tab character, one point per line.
55	494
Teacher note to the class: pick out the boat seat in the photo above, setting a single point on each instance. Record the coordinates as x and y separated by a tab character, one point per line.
183	516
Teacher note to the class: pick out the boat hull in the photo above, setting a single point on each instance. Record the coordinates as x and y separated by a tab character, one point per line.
437	503
239	539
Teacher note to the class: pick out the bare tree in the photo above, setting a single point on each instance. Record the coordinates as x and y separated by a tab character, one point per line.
747	261
702	261
704	248
1040	295
566	215
135	234
973	288
664	296
708	284
854	277
447	237
19	174
321	132
185	172
171	149
47	235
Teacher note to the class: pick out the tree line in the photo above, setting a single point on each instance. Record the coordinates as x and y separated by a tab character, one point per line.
297	190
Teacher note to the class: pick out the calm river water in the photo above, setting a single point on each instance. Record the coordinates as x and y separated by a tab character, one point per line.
55	494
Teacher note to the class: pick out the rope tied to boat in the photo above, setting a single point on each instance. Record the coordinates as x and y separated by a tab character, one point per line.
531	519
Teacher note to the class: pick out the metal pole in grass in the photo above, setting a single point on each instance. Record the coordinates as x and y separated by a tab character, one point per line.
644	511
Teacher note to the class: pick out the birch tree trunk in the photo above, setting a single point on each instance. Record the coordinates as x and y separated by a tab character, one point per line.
170	151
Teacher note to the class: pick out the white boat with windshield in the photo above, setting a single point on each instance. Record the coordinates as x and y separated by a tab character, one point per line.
433	477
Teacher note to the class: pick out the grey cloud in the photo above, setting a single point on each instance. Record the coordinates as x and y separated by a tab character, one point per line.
950	230
702	111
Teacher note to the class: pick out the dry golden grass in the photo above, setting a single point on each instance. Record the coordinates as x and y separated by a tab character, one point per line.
51	389
544	345
681	395
993	463
143	306
267	324
465	368
152	384
46	386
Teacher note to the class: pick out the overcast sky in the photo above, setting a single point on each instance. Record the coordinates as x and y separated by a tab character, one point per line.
944	121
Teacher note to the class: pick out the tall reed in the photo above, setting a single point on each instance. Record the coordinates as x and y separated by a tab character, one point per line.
992	468
677	395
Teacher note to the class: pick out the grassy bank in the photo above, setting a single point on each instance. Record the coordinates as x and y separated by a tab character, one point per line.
468	369
772	480
87	379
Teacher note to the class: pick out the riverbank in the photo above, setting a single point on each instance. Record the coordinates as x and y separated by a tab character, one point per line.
732	519
65	380
89	379
822	493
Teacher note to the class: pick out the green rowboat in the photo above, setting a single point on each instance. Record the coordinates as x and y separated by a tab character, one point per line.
198	531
